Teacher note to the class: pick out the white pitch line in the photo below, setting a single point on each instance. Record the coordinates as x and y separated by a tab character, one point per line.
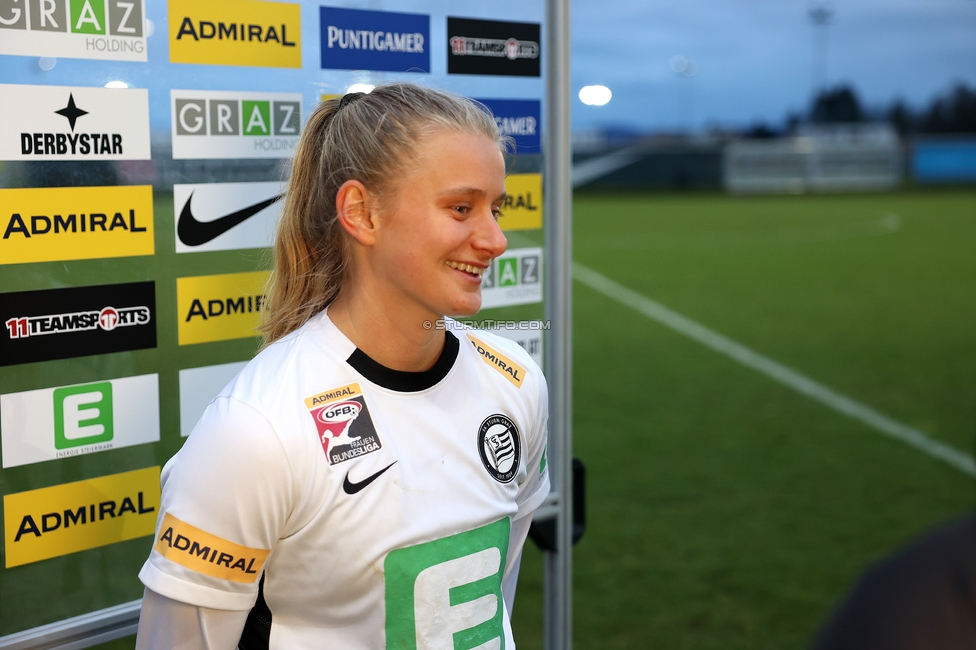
786	376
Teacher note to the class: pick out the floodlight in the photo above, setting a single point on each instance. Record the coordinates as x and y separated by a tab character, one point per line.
115	83
360	88
595	95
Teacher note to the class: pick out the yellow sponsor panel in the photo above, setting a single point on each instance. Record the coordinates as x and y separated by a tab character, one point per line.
208	554
54	521
54	224
509	369
326	97
523	207
219	307
238	32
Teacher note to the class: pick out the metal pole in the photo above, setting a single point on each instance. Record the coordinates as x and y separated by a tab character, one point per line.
559	312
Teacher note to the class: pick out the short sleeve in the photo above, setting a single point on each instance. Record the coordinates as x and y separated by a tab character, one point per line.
535	486
225	500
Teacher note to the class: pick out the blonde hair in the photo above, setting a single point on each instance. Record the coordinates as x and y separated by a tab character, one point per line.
362	137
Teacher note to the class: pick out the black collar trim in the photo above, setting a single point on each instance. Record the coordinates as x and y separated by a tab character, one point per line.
401	380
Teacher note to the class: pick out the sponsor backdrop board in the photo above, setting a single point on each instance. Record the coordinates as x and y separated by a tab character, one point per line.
143	150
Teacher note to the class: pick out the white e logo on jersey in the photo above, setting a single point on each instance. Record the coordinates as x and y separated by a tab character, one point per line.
448	593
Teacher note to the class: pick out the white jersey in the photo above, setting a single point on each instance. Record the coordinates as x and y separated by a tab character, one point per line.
372	508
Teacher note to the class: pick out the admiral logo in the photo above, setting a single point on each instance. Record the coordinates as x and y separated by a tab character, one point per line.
226	216
54	521
511	370
77	29
499	447
65	323
522	209
515	279
267	34
222	124
355	39
74	123
200	551
75	223
344	426
52	423
520	119
198	387
493	47
219	307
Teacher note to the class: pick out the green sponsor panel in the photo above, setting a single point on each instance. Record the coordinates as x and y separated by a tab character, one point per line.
257	118
83	415
87	16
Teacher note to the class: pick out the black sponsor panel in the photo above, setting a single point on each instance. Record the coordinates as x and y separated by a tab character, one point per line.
493	47
76	322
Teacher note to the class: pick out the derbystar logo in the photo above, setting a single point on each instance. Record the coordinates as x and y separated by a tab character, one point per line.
219	124
355	39
52	224
78	321
493	47
54	521
222	32
515	279
87	29
226	216
67	123
50	423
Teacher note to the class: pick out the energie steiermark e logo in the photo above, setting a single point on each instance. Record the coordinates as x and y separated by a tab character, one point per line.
63	421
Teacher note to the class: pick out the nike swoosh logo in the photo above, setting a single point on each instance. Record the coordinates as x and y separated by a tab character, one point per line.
196	233
352	488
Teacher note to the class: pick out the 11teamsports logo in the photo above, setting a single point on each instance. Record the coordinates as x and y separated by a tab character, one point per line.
343	423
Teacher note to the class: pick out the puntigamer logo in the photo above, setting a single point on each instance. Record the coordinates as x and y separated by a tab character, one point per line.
520	119
493	47
222	124
355	39
75	223
51	423
219	307
54	521
242	32
78	29
73	123
513	279
77	321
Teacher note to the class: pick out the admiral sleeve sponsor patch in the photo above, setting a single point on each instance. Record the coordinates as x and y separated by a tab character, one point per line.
509	369
199	551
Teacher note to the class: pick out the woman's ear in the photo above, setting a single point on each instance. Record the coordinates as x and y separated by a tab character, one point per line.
354	209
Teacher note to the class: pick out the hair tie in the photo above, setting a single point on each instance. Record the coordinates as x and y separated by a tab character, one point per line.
349	98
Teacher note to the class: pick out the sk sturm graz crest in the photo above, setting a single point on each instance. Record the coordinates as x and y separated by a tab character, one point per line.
343	423
498	444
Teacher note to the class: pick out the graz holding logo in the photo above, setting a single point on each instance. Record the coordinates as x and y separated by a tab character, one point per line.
86	29
493	47
74	123
356	39
221	124
78	321
266	34
515	279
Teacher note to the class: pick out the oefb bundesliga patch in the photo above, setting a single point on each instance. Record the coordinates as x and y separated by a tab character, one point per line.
342	419
499	446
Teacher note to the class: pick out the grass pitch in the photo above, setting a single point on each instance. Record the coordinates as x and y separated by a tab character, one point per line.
726	510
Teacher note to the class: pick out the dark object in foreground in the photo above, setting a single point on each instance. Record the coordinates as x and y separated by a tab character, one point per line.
922	598
543	531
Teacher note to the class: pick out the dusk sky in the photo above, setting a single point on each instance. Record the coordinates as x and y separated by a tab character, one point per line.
754	57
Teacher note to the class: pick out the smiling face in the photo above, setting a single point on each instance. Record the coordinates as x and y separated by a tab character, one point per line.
438	227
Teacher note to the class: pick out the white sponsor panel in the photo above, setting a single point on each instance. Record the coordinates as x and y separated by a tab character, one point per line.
226	216
515	278
64	421
198	387
76	29
73	123
231	124
527	334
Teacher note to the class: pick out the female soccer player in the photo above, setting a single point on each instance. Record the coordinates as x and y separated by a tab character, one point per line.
367	480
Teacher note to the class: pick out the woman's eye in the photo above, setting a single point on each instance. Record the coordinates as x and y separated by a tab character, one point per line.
497	212
461	209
